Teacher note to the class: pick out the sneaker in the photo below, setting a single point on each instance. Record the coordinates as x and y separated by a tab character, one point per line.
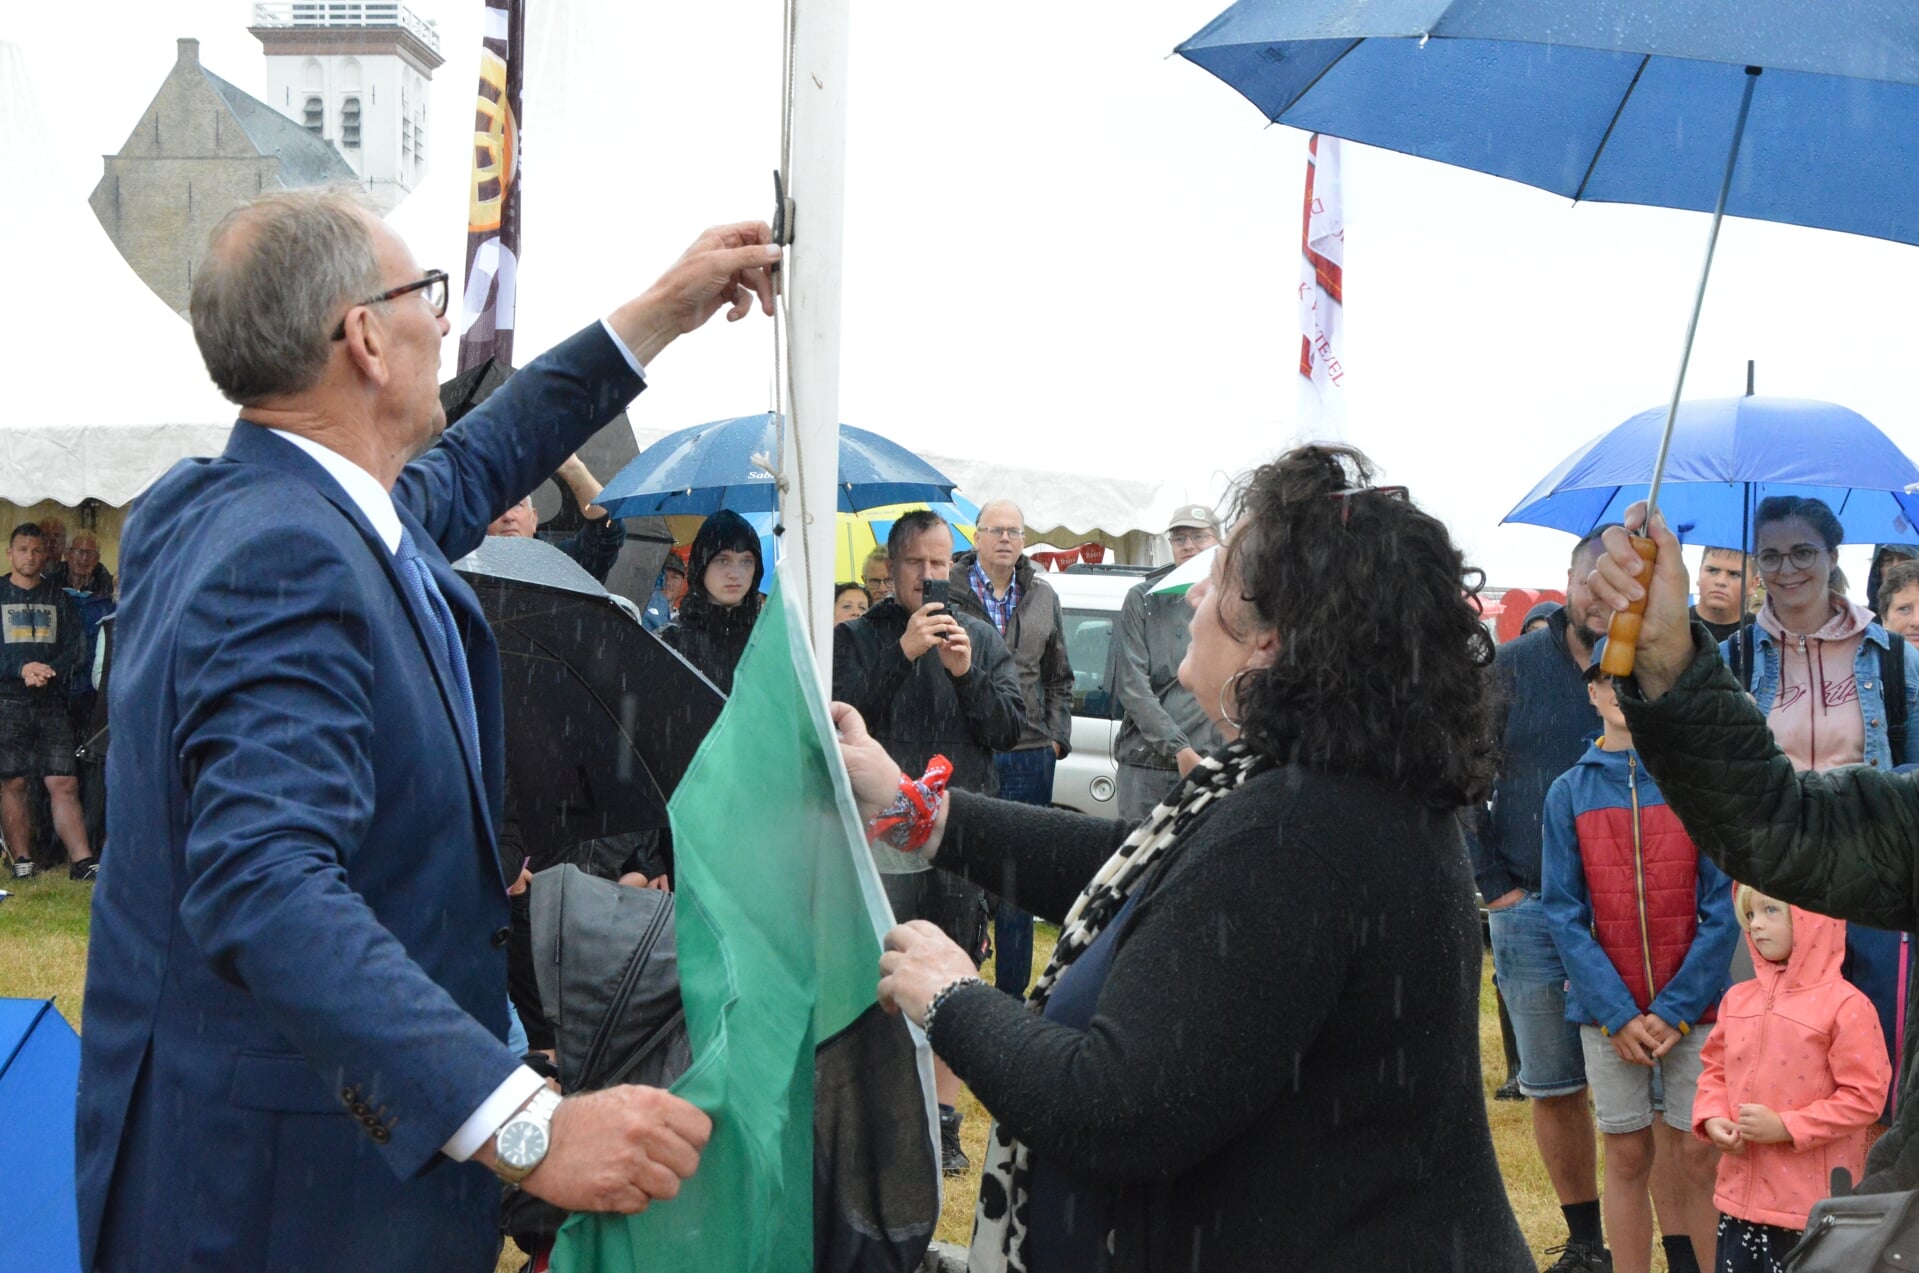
86	869
23	868
1509	1090
1579	1257
953	1159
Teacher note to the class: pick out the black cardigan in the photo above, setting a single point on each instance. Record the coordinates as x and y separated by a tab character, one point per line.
1284	1069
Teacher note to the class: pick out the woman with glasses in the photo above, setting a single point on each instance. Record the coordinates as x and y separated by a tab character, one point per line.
1256	1045
1815	662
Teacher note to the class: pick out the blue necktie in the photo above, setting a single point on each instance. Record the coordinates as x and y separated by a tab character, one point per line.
431	602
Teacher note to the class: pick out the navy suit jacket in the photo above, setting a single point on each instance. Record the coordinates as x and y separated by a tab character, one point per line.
296	981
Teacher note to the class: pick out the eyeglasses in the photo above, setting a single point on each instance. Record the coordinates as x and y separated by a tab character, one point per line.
1002	532
1345	498
1187	538
1800	555
433	286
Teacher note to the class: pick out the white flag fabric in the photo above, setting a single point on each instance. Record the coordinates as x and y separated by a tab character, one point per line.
1322	371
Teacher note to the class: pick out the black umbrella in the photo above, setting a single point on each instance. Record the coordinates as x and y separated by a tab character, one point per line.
602	719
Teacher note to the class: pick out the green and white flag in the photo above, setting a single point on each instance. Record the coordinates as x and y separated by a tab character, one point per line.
1182	578
824	1133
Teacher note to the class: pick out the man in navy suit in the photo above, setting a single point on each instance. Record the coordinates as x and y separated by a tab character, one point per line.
296	998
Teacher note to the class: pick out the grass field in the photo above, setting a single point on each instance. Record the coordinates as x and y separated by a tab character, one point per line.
43	935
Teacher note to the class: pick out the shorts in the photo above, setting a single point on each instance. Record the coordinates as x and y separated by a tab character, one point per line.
1532	980
954	906
1623	1095
36	738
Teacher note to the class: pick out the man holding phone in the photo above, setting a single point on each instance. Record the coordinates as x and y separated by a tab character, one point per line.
932	682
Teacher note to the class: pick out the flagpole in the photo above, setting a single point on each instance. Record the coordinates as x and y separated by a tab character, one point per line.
814	171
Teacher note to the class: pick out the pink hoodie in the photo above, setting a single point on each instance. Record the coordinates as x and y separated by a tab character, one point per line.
1801	1041
1816	717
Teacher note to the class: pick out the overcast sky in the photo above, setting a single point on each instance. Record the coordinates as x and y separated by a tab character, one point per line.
1065	246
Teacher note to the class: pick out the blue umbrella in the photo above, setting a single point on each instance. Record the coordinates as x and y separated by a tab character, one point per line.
1727	455
1786	110
39	1083
1620	101
728	464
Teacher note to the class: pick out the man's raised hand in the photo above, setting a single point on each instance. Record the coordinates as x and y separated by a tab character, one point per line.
727	267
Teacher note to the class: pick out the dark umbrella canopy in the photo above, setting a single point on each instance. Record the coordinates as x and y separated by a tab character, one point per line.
1619	101
601	718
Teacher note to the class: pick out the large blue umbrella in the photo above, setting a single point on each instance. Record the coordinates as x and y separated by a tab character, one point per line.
1620	101
1798	111
1727	455
730	464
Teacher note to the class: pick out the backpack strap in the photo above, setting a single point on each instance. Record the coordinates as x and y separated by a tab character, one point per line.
1892	679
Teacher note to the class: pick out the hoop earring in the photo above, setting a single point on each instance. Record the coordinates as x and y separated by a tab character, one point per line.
1223	713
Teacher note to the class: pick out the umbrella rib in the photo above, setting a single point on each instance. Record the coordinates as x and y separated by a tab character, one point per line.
1300	95
1610	125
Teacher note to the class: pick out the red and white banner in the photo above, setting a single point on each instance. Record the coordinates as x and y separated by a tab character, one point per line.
1322	246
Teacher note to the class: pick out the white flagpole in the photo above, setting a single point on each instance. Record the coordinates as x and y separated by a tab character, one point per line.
815	172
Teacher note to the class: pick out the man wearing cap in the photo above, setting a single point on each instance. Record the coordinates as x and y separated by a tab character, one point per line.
1165	730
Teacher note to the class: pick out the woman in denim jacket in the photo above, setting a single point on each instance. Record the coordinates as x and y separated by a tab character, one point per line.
1817	658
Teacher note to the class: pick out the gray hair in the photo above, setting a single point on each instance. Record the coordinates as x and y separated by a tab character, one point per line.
276	273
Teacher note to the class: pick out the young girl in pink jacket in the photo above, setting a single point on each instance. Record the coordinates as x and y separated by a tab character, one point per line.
1794	1075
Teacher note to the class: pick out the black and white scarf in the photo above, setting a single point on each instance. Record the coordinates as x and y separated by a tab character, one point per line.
999	1221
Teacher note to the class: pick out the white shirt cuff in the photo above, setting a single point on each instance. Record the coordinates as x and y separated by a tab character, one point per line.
492	1114
638	369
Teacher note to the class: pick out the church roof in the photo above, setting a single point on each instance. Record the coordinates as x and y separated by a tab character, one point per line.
305	159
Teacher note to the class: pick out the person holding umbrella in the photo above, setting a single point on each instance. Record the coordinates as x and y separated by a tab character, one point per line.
722	598
1256	1044
1843	842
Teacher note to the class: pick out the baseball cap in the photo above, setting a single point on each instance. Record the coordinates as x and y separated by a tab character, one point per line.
1194	515
1599	653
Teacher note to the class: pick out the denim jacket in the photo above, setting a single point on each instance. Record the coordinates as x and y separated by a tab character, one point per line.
1763	679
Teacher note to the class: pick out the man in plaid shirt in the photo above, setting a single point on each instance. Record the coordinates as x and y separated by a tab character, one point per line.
1007	592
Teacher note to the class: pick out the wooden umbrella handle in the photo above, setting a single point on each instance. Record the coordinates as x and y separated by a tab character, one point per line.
1622	634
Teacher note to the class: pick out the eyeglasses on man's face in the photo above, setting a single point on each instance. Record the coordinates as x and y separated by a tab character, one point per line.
1002	532
1771	561
1188	538
432	289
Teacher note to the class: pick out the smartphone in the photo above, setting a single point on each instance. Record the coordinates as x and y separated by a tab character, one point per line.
933	592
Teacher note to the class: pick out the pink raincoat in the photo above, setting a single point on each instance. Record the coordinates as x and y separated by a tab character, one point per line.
1806	1044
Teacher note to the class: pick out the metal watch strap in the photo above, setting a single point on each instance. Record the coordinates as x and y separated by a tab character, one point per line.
538	1108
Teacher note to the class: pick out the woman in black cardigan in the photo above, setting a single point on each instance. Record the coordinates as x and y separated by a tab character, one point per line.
1256	1046
723	572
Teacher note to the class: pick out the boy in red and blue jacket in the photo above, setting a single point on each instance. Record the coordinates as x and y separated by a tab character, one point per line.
1646	930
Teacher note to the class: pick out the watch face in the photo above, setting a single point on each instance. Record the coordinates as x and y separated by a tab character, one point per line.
522	1144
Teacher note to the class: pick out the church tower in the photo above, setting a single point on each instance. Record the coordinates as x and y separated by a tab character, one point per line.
354	73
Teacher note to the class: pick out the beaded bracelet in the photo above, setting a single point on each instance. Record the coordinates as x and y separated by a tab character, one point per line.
940	998
907	823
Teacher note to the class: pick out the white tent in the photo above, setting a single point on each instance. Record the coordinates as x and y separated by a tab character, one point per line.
145	400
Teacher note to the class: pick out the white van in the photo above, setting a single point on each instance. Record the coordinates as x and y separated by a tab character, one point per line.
1090	598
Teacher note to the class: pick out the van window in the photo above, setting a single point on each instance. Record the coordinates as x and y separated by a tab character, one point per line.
1089	645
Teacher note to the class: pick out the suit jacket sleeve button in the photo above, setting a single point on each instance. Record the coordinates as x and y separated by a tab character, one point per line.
502	937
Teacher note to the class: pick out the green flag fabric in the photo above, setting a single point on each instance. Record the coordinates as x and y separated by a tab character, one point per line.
823	1149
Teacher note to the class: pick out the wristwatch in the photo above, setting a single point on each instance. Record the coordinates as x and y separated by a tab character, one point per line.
521	1143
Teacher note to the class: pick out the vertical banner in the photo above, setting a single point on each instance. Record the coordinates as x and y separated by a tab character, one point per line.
493	203
1322	247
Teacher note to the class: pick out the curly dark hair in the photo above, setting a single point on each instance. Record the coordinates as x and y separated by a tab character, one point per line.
1383	666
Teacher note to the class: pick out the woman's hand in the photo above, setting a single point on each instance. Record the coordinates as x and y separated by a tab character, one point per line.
1619	578
918	963
876	779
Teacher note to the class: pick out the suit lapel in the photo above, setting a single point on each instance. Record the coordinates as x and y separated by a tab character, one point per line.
249	443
